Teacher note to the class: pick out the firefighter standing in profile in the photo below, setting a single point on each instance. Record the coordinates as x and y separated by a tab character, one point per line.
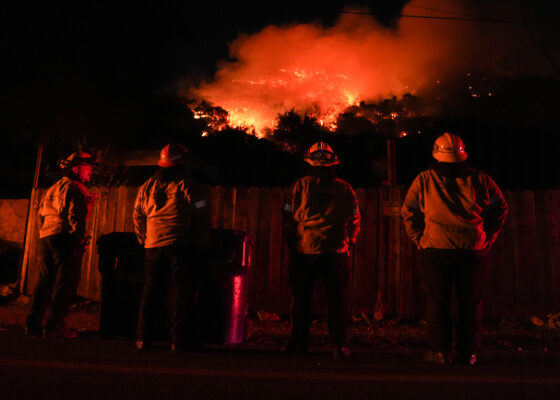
169	214
325	221
453	213
62	226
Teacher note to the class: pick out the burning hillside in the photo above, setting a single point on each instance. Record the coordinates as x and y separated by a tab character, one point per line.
322	72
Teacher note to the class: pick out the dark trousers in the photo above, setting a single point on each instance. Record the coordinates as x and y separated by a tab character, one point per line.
466	270
58	279
162	265
333	270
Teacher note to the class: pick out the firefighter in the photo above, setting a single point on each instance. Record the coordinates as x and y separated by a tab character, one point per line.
171	219
62	226
453	214
325	222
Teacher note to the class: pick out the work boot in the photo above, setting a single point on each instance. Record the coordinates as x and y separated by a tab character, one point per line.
437	357
142	344
34	331
341	352
296	348
466	359
178	347
62	332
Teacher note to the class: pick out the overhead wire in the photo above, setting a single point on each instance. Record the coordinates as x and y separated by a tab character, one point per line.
472	19
437	10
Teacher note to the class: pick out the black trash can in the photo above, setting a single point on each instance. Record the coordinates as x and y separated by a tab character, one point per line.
223	290
121	264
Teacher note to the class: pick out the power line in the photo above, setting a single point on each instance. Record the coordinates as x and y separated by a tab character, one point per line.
437	10
511	21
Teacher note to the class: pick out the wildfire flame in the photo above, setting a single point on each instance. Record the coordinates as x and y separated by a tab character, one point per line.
320	72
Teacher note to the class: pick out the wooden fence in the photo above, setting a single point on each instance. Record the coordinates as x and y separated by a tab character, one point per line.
524	278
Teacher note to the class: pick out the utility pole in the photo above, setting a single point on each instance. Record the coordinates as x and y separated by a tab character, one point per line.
391	163
392	209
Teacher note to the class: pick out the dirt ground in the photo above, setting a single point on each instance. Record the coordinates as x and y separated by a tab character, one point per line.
266	330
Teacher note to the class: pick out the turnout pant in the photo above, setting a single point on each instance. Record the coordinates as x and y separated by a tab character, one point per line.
466	271
58	279
333	270
162	265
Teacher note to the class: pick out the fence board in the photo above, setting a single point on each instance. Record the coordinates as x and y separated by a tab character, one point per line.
262	249
542	255
381	301
407	279
228	208
358	281
552	211
216	199
129	212
501	285
241	212
527	269
253	200
393	253
32	257
370	225
286	256
277	298
88	278
523	277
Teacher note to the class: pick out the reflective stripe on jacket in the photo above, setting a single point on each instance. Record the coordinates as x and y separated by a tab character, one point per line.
64	209
461	212
327	215
163	212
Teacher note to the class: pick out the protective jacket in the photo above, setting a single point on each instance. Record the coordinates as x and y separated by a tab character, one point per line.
327	215
166	209
453	206
64	209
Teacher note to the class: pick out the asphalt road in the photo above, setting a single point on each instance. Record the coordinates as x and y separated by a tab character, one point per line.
94	368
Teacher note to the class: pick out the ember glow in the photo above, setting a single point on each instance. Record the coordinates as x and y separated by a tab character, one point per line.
321	71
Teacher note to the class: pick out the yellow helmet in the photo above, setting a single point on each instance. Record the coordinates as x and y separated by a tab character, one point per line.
449	148
321	155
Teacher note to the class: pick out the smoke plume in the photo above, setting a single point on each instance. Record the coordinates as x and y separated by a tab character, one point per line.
320	71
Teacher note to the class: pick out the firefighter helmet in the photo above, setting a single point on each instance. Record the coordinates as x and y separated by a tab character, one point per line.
449	148
79	158
321	155
171	155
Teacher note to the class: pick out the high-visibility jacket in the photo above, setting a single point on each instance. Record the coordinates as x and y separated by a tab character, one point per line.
464	209
64	209
166	212
327	215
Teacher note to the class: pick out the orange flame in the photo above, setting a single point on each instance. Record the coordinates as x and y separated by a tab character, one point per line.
320	72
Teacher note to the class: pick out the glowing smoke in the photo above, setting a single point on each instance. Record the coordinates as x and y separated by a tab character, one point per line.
320	71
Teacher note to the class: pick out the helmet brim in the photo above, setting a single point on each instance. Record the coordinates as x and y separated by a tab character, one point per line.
167	163
321	163
450	157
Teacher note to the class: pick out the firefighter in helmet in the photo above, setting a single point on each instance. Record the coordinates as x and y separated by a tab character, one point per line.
325	221
171	219
62	227
453	213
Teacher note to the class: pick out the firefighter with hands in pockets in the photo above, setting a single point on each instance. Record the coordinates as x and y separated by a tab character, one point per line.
453	213
323	222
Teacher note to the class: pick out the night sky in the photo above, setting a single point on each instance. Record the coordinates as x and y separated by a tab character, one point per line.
105	72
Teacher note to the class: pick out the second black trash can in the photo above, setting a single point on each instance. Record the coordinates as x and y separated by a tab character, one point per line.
121	264
223	291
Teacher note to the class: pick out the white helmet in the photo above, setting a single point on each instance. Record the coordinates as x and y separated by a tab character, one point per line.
449	148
